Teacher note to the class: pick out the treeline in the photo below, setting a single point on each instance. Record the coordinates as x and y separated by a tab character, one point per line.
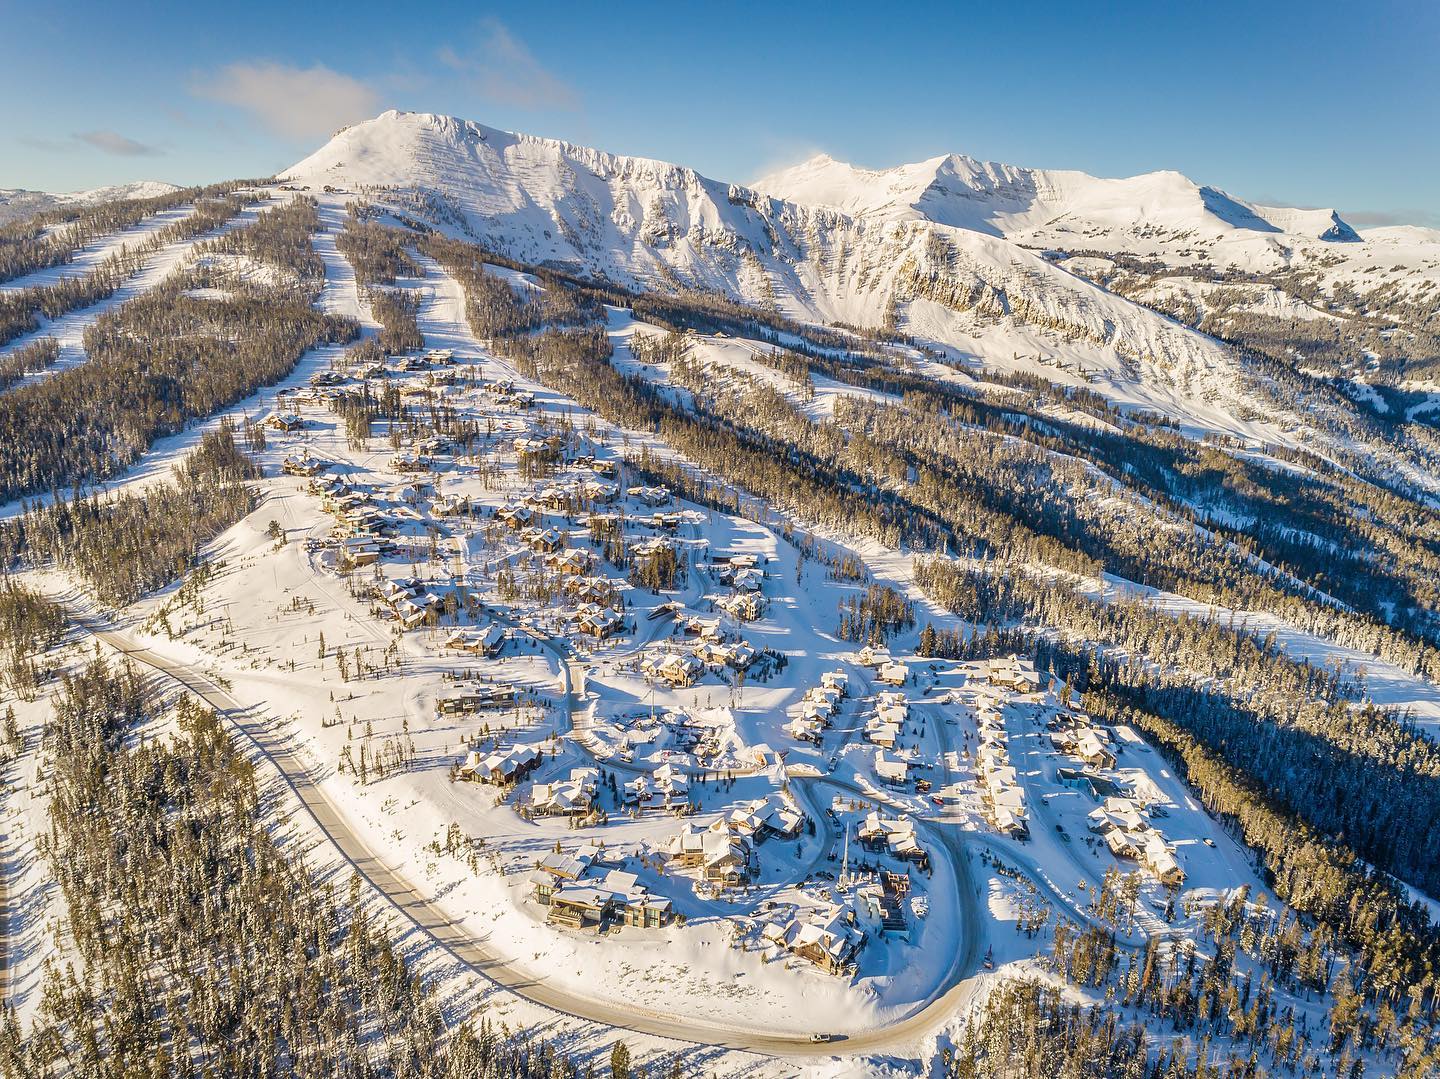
1010	485
1359	323
280	237
377	253
1364	771
30	624
493	307
1337	534
1217	996
1349	901
168	357
1345	899
1027	1029
395	310
874	615
203	948
999	481
53	238
127	545
1365	544
1217	999
20	309
28	359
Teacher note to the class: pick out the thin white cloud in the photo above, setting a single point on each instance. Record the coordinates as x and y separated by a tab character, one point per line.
298	103
502	69
112	142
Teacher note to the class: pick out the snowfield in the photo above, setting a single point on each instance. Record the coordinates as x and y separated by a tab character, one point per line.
609	760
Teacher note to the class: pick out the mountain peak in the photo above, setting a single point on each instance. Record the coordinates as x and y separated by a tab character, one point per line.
1010	200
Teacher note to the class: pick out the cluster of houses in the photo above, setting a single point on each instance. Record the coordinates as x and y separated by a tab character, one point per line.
573	797
1017	674
529	449
708	646
665	520
365	525
283	420
1073	735
302	464
743	606
596	596
650	496
675	669
451	506
1123	827
587	462
895	835
650	548
432	359
571	492
436	366
666	788
830	938
501	767
515	517
891	714
891	769
476	697
502	391
1002	795
706	741
411	601
723	853
819	707
597	620
746	601
543	541
484	643
888	671
578	897
741	572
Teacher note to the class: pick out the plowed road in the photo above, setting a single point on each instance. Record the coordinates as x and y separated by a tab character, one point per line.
474	953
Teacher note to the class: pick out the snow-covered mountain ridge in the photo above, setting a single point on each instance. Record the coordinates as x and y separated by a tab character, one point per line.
16	203
957	253
1008	200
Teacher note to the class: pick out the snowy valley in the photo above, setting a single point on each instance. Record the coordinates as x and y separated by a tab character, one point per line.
863	623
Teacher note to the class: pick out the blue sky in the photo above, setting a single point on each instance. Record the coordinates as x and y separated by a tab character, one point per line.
1303	104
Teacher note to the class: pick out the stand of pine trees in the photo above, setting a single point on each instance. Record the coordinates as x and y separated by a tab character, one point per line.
127	545
199	342
30	625
54	237
27	359
20	309
203	947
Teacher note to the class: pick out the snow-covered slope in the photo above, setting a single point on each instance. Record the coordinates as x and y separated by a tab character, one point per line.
1162	217
950	251
1011	201
16	203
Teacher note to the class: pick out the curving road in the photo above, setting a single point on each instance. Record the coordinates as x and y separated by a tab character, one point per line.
476	955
